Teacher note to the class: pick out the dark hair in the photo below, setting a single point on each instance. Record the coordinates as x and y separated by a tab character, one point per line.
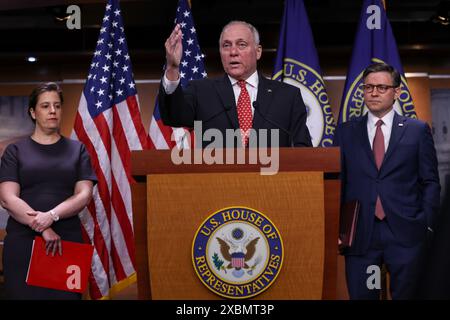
383	67
45	87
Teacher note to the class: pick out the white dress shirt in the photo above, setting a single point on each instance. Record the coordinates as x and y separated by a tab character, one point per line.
386	128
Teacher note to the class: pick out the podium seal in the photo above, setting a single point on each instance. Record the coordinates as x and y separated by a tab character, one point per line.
237	252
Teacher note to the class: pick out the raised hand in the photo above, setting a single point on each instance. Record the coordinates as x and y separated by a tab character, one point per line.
174	52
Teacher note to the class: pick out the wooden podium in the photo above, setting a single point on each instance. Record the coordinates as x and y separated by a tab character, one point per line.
171	201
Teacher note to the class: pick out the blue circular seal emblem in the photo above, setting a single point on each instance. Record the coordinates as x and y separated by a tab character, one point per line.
320	120
237	252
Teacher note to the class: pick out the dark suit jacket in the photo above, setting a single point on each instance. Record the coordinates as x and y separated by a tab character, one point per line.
278	106
407	182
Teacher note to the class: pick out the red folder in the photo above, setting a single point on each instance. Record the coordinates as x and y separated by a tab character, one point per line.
347	224
67	272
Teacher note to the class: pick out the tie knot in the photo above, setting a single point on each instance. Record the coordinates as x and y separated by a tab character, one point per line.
379	123
242	84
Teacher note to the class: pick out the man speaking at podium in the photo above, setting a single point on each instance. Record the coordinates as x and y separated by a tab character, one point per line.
389	165
242	99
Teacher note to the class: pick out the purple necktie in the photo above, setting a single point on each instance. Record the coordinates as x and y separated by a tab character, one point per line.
378	152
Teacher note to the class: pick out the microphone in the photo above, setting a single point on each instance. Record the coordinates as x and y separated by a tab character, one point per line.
256	107
225	109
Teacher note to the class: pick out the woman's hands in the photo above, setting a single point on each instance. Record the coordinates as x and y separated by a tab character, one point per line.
52	242
41	220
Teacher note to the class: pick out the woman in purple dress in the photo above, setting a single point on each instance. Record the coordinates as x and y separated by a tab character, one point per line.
45	181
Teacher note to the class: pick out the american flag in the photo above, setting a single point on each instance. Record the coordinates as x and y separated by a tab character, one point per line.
191	68
109	123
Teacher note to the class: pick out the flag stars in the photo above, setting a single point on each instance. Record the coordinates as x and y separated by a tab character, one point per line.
183	25
186	14
108	7
182	74
127	57
192	30
117	12
131	85
125	68
187	53
122	80
194	69
98	104
198	57
121	40
106	18
103	80
101	92
105	68
108	56
204	74
119	92
190	41
115	23
184	63
92	89
118	52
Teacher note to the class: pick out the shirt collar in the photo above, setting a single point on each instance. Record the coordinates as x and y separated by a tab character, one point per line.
253	80
387	119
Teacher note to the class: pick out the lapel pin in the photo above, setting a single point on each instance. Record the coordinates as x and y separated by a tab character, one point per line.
400	124
269	90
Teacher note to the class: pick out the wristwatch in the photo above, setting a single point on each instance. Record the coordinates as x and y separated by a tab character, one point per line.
55	217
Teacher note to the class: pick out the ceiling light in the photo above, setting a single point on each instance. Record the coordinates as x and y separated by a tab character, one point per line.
442	16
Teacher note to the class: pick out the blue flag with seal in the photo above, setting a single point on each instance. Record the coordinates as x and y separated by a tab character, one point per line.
297	64
374	42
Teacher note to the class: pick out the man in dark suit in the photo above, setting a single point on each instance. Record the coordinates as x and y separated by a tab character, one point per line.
389	164
241	99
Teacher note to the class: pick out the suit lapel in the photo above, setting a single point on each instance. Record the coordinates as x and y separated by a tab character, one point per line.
225	91
398	129
364	139
263	99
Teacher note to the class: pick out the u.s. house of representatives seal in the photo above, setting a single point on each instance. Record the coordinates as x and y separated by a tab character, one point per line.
237	252
320	116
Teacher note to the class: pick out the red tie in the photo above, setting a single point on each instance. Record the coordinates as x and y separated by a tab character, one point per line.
378	152
244	113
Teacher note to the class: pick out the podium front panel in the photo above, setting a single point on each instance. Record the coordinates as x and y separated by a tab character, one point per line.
177	204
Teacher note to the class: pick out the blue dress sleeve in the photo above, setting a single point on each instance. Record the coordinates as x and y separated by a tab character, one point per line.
9	166
85	170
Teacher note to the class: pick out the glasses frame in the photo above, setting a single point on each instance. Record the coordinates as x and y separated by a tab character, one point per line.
370	87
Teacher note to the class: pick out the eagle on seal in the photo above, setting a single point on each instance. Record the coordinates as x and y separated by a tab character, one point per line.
225	251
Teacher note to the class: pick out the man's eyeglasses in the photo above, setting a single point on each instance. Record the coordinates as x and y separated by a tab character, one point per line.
381	88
